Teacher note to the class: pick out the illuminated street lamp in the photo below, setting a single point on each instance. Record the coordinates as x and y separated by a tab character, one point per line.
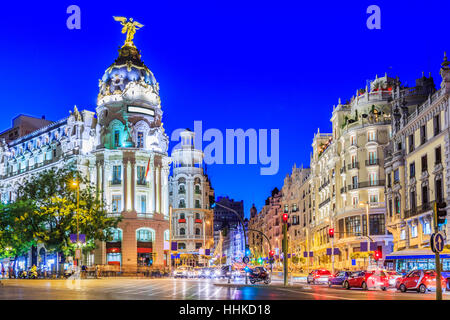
76	185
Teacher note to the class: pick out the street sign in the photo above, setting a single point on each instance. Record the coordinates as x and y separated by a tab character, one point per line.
353	262
245	259
437	242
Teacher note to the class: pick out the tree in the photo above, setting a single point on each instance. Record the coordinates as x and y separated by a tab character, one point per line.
45	211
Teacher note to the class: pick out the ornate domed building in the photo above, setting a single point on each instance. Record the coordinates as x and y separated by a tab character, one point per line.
122	148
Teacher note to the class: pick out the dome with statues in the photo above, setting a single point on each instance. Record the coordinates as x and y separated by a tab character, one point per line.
128	78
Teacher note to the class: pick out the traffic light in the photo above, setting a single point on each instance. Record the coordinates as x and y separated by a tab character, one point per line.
331	233
271	253
247	251
441	213
285	217
377	255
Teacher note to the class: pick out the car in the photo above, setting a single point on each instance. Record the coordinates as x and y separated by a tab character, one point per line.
338	278
367	279
318	276
392	277
181	272
419	280
205	273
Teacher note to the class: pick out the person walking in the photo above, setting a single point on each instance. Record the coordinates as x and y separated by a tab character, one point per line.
3	271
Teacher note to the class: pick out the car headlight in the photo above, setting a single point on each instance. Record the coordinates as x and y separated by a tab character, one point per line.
207	273
217	272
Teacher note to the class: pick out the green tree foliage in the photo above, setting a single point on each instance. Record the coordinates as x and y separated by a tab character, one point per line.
45	211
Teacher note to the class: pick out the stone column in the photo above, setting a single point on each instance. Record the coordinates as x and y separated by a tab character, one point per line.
129	246
133	185
153	187
125	184
158	189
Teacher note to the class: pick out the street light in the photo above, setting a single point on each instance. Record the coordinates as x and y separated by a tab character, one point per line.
76	185
366	204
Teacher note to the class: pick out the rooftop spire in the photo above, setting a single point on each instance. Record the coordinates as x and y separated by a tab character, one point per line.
446	63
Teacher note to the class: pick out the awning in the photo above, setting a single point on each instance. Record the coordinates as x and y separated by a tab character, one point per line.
144	250
416	254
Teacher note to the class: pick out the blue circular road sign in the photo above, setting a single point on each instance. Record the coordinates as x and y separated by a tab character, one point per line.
437	242
245	259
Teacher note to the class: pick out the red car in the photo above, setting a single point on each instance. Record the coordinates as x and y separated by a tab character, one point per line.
367	279
318	276
420	280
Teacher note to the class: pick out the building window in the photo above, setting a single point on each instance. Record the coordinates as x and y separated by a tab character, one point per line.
117	174
286	208
143	203
182	231
424	163
197	204
140	175
116	235
373	179
354	182
424	195
437	155
412	200
117	138
373	198
396	176
438	190
437	124
426	227
353	140
182	245
140	140
411	142
181	204
373	157
414	231
116	203
371	136
390	207
353	226
423	134
166	235
145	235
412	170
197	231
355	201
198	245
376	222
403	234
397	205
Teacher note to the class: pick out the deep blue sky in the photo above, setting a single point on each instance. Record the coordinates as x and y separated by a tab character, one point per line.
232	64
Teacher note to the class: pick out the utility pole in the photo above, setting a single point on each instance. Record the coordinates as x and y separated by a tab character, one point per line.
437	258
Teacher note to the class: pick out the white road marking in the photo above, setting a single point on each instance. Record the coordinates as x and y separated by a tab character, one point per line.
317	294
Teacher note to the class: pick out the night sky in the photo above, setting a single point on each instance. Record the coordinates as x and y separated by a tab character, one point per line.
231	64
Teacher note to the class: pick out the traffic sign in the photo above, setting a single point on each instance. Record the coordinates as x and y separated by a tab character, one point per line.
437	242
245	259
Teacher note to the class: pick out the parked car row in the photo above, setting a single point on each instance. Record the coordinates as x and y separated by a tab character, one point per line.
419	280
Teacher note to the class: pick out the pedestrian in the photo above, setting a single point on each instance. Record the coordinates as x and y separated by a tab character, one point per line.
96	271
3	271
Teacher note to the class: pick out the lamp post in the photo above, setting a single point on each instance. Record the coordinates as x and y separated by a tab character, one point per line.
170	240
76	185
366	204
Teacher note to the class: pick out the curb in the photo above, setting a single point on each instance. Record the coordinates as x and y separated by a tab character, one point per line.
239	285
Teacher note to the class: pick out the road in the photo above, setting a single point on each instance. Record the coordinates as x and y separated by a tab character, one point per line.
183	289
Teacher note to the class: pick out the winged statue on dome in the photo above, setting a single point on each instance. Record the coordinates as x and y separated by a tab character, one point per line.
129	27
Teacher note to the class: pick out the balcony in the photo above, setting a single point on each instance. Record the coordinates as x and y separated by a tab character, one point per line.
419	210
324	202
115	182
343	190
373	162
354	165
366	184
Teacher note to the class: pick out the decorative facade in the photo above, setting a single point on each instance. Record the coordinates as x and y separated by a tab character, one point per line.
191	194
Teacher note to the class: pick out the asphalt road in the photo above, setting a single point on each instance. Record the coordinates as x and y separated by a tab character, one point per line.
183	289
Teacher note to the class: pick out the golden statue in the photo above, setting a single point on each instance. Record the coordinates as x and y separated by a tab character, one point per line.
129	27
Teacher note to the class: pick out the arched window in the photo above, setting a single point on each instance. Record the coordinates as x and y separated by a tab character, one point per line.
182	204
182	216
197	215
116	235
197	231
182	231
145	235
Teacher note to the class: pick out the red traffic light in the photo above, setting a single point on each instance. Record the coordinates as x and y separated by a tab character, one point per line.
271	253
377	255
331	232
285	217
